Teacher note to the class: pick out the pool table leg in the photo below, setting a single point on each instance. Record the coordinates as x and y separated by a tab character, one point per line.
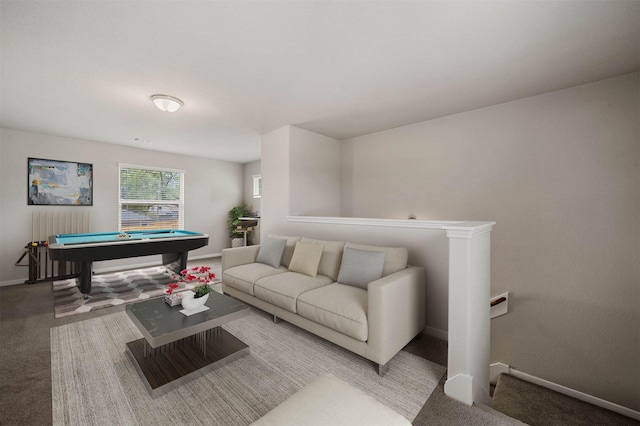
84	279
175	261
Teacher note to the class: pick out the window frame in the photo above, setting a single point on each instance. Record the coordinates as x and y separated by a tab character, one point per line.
179	203
257	185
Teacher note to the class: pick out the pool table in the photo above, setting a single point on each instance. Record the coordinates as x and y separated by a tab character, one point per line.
84	249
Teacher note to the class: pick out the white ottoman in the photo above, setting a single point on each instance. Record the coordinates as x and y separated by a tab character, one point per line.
330	401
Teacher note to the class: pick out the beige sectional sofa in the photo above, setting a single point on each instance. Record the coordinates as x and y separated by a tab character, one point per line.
363	298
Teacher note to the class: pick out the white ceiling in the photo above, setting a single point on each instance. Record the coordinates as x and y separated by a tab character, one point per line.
86	69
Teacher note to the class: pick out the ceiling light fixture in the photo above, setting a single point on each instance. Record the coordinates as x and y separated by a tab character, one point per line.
140	140
166	103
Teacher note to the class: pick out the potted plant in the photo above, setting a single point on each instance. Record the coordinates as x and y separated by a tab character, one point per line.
233	220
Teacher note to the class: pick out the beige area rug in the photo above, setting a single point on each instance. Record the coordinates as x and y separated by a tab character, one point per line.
95	383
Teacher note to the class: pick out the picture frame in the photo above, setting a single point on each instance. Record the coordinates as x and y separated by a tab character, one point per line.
59	183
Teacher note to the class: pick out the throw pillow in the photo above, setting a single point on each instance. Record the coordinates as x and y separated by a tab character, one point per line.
306	258
360	267
288	248
271	250
395	258
331	257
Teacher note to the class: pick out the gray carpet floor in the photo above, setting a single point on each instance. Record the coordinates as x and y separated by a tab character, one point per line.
27	316
548	408
442	410
92	374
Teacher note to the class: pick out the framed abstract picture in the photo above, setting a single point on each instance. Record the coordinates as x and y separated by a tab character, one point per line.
63	183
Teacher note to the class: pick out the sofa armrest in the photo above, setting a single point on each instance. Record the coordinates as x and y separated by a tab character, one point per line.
239	256
396	311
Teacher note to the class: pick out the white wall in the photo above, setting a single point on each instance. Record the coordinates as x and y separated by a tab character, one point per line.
300	175
315	174
282	189
249	170
211	189
275	182
559	173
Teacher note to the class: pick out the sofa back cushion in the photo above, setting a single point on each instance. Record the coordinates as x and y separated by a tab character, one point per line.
395	259
331	257
288	248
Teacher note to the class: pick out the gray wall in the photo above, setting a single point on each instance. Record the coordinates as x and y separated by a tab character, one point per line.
559	173
211	189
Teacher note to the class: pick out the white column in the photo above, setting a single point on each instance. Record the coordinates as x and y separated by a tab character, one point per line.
469	328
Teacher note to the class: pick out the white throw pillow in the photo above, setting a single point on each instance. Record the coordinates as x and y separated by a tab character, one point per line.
306	258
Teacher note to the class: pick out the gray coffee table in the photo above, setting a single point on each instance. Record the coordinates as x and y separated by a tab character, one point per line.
176	348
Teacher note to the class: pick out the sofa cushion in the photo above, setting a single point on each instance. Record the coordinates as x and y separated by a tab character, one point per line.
331	257
395	257
271	250
306	258
340	307
288	248
243	277
283	289
360	267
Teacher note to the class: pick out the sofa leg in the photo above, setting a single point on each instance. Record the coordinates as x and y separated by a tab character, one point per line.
276	319
382	368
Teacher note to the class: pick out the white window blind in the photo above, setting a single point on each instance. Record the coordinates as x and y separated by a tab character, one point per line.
150	198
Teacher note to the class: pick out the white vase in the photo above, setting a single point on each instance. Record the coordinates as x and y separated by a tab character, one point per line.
191	303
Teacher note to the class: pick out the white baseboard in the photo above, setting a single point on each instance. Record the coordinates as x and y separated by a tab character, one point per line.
495	370
498	368
12	282
205	256
118	268
436	332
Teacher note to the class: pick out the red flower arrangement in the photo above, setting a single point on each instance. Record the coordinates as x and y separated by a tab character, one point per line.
197	278
171	287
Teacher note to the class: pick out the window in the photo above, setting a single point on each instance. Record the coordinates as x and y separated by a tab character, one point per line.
150	198
257	186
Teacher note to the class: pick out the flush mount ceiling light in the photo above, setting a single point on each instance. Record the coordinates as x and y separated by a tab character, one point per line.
166	103
140	140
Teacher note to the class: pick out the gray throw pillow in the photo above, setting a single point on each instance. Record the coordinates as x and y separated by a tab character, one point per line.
271	250
360	267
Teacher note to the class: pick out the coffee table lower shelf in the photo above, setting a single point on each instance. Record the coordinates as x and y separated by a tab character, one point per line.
172	365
